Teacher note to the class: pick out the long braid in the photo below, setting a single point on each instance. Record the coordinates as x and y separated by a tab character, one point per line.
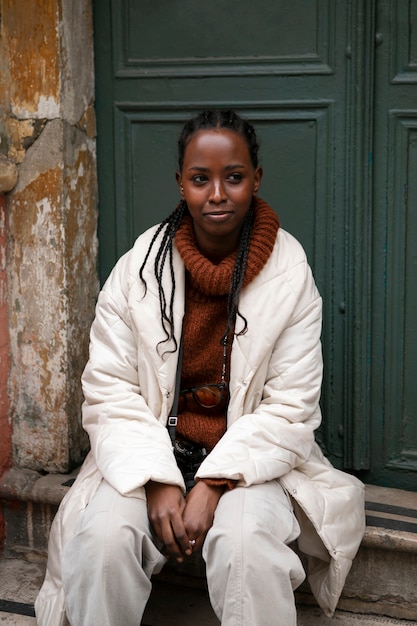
238	276
171	225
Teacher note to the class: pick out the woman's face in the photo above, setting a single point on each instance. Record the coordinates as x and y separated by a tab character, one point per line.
218	181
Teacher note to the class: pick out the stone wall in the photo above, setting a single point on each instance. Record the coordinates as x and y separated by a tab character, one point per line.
5	426
47	130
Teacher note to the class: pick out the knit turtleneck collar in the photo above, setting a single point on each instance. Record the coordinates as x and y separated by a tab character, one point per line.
214	279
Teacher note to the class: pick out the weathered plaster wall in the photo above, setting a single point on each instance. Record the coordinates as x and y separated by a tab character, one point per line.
8	179
5	426
47	128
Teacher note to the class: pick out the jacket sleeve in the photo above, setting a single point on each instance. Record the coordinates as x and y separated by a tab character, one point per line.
275	431
129	443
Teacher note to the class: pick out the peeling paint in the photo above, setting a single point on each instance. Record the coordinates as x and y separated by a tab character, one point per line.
2	222
54	249
3	256
33	46
8	175
47	108
5	425
52	214
22	134
45	154
79	174
3	294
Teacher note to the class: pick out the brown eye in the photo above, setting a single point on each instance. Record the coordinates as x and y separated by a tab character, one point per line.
199	179
235	178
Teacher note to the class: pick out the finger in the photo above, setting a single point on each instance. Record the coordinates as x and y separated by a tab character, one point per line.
171	547
181	536
174	536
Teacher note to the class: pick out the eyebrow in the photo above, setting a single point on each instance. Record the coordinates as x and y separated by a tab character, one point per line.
233	166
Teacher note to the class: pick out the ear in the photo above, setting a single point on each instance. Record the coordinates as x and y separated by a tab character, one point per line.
257	179
179	183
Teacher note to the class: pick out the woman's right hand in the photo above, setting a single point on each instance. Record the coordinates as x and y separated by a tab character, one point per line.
166	504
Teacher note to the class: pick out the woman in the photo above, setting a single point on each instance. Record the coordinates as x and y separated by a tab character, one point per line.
219	283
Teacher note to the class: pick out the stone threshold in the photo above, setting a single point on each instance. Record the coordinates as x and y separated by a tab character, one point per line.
391	519
391	514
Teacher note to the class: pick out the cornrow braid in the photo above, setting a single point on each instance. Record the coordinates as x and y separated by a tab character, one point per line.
219	118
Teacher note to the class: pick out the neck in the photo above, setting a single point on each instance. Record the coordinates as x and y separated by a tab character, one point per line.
216	249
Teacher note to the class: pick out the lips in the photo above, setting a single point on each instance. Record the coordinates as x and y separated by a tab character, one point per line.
218	216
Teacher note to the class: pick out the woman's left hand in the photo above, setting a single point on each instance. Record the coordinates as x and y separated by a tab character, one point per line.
198	514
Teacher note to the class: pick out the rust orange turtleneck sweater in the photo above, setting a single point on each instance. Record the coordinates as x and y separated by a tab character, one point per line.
207	288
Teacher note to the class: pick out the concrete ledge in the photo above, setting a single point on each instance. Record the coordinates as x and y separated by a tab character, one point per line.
26	485
30	486
29	501
389	539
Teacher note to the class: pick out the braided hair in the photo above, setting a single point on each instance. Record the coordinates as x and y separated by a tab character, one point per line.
207	120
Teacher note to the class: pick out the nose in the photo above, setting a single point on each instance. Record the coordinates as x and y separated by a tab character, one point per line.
217	192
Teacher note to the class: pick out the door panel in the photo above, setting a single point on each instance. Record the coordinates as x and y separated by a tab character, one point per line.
394	355
157	38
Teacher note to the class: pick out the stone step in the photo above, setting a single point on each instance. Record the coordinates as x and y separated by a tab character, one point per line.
169	605
29	501
383	576
380	582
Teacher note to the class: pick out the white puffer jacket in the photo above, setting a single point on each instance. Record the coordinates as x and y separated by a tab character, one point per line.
275	380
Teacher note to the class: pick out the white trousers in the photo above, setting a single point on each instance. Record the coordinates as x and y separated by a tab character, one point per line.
251	571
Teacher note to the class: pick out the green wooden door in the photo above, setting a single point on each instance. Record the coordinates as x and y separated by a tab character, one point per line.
393	416
303	72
